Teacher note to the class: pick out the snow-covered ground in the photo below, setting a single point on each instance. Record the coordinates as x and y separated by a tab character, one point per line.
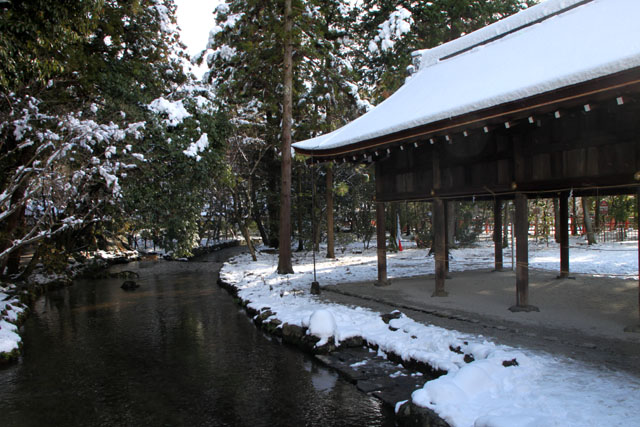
10	311
541	390
617	259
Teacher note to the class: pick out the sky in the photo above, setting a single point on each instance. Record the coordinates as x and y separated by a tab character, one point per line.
195	19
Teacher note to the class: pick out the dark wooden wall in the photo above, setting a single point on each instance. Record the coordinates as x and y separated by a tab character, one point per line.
588	152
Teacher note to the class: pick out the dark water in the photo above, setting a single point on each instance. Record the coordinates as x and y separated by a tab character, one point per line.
175	352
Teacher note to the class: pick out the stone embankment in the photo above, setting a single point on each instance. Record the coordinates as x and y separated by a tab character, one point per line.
384	375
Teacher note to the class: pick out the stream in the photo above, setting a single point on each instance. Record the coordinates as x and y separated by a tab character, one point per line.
175	352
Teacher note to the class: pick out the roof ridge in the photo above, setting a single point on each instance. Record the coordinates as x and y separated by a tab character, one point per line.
533	15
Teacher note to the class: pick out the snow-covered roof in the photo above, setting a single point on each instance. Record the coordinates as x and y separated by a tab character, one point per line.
550	46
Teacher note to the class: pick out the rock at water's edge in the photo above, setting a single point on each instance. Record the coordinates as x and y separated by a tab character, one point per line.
129	285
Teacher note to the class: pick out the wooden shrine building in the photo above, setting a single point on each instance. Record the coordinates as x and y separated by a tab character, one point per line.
545	103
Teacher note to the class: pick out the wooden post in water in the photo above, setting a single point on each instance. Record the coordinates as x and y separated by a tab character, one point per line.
522	255
497	233
381	245
440	239
564	236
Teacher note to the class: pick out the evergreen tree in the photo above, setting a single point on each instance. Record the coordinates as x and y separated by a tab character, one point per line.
284	258
392	30
245	56
75	118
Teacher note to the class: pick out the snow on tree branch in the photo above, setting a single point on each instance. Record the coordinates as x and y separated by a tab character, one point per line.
175	111
197	147
391	30
69	166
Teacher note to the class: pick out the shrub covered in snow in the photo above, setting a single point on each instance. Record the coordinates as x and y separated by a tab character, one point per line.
323	325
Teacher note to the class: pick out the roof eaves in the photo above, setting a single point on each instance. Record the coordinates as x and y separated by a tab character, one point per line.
603	87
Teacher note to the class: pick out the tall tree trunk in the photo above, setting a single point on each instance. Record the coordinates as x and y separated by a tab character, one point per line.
245	233
316	213
255	213
330	227
13	262
574	215
299	211
393	229
242	224
407	219
591	237
451	223
35	259
597	215
284	258
556	219
505	224
12	226
273	204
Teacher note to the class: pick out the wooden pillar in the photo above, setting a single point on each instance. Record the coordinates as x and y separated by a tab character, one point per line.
564	236
382	245
636	328
330	226
497	233
447	212
522	255
440	239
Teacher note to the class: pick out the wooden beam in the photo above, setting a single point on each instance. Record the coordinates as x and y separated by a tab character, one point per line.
440	238
564	236
382	245
497	233
522	255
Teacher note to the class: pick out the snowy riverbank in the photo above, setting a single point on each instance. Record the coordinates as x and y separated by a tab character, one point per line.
482	386
11	314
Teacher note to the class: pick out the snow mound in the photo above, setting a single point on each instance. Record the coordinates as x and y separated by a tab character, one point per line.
322	324
9	339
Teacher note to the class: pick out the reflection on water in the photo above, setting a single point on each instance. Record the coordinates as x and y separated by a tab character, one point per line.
175	352
323	380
